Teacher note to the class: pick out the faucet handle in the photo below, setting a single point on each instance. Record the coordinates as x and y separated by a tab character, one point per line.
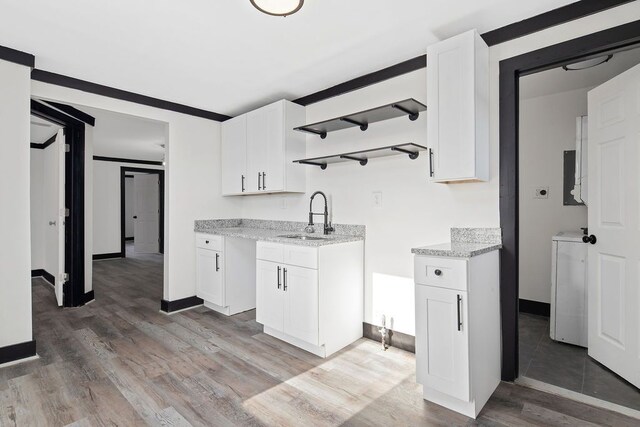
309	229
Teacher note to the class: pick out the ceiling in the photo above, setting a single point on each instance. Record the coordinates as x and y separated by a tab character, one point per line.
227	57
558	80
124	136
42	130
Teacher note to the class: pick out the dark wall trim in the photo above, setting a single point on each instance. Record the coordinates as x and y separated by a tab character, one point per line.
122	160
88	297
112	255
45	275
394	339
535	307
123	177
613	39
549	19
366	80
180	304
17	57
74	112
98	89
14	352
531	25
45	144
130	238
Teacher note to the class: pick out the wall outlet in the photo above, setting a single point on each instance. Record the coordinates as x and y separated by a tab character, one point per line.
542	193
376	200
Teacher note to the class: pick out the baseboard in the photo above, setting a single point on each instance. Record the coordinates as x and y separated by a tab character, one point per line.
15	352
88	297
394	339
129	238
180	304
535	307
45	275
107	256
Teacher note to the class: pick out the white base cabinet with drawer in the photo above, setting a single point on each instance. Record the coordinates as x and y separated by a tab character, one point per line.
224	280
458	330
311	297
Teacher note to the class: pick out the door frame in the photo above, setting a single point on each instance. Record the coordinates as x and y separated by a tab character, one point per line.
123	172
612	40
73	289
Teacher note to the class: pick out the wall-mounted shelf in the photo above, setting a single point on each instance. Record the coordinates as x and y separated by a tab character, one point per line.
409	107
363	156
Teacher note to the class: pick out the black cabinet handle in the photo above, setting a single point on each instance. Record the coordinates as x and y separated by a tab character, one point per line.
217	264
264	180
459	318
284	283
135	217
279	277
430	162
243	183
438	272
206	242
590	239
259	176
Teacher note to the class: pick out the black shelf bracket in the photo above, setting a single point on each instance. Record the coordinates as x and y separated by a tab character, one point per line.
322	165
363	126
412	154
412	116
363	162
323	135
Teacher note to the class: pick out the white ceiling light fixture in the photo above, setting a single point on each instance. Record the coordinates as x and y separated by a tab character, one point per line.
589	63
278	7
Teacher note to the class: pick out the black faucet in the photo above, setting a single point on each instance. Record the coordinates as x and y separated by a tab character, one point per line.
327	225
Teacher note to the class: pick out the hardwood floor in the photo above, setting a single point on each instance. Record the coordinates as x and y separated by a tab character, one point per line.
119	361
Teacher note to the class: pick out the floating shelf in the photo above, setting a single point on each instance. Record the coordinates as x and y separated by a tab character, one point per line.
409	107
363	156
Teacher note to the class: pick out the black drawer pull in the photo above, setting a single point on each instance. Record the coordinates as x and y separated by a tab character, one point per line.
438	272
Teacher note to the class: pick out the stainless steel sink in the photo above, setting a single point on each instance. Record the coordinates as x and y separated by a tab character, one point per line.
302	237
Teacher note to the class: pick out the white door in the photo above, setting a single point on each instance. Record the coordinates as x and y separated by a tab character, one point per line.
60	276
614	219
146	221
210	276
300	286
269	294
442	340
234	155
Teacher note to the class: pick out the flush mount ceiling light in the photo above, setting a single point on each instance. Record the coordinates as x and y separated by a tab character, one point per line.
278	7
589	63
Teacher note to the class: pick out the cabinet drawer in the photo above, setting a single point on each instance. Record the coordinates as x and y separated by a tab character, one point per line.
301	256
269	251
441	272
209	241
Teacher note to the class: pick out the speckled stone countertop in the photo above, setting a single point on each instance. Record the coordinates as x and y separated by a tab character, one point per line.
272	231
465	243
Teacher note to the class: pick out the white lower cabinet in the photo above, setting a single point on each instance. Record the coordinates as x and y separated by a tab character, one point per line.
311	297
224	278
458	330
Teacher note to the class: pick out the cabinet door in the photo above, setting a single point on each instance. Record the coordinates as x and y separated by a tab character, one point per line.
269	294
300	286
234	155
210	276
442	341
265	148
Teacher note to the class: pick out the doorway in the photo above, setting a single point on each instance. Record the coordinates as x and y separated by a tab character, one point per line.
142	210
554	237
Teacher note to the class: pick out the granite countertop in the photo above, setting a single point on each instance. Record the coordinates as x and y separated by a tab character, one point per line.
271	231
465	243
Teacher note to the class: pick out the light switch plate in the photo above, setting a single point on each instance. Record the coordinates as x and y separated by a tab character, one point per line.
542	193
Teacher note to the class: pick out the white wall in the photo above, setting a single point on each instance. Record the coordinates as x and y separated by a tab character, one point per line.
38	224
15	228
106	207
414	212
547	129
128	207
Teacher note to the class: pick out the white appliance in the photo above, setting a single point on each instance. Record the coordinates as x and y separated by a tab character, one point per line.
569	288
580	190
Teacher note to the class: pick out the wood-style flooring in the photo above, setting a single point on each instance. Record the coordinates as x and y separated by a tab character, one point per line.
119	361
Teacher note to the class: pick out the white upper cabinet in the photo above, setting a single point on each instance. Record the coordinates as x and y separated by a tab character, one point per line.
458	108
258	149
